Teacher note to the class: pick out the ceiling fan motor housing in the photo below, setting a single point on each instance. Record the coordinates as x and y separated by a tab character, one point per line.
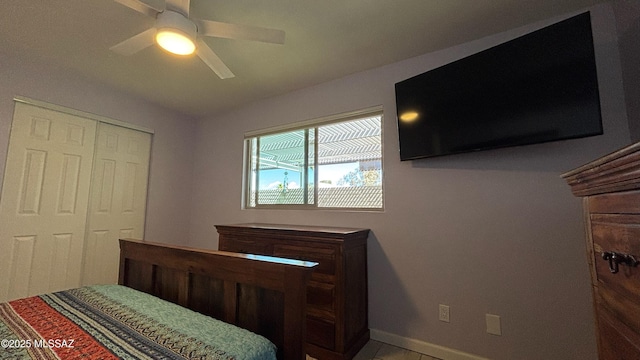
175	22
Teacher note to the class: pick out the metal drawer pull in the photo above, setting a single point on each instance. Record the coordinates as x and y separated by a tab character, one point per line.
615	259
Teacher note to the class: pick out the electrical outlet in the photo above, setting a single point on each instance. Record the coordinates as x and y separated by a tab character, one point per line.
443	313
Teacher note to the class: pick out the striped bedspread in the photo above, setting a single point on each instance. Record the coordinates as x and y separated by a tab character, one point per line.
116	322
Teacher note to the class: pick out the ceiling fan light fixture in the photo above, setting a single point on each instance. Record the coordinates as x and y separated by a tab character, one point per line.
174	42
176	34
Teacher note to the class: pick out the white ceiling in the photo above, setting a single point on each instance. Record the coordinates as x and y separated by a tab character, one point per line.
325	40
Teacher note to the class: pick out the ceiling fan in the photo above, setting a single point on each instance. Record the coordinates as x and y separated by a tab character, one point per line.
177	33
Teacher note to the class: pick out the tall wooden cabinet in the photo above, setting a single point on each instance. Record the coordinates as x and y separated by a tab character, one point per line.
610	187
337	302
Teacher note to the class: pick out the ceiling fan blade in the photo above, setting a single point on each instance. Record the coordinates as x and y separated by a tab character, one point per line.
239	32
141	7
136	43
181	6
212	60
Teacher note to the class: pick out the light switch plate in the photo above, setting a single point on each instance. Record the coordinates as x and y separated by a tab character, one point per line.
493	324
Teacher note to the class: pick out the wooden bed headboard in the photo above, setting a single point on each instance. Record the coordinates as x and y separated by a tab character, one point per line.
266	295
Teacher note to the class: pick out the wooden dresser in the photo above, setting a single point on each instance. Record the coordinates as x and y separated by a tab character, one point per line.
337	300
610	187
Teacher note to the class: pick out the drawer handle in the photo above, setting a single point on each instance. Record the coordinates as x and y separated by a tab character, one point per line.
615	259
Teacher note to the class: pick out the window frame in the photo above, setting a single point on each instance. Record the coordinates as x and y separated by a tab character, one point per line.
309	125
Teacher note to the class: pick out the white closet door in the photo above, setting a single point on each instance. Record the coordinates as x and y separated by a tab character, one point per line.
118	199
43	206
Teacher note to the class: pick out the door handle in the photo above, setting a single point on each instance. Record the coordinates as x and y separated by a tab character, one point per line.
615	259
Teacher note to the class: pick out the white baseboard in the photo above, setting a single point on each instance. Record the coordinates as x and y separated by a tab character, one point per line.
422	347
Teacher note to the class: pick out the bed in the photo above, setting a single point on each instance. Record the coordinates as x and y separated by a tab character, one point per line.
156	311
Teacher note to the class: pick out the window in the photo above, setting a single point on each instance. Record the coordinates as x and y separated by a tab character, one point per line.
332	163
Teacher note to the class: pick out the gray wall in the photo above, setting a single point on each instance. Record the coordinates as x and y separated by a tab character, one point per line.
627	14
171	169
490	232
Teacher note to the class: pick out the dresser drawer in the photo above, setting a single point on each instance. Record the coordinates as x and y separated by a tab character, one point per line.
627	202
321	332
246	246
325	256
321	300
620	309
621	234
617	341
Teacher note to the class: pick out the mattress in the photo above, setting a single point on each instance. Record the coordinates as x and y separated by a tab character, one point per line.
116	322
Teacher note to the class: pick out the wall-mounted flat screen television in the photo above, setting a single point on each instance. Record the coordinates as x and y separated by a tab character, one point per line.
537	88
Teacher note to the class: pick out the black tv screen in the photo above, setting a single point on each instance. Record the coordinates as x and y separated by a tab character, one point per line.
537	88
